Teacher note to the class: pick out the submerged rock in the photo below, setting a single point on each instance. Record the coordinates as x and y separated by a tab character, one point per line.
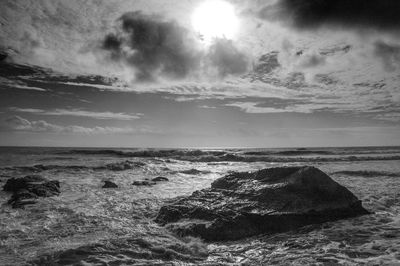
27	189
109	184
267	201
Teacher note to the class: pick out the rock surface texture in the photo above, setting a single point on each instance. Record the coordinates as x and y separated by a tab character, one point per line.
271	200
27	189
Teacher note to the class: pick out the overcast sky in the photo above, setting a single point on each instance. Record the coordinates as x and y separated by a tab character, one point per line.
138	74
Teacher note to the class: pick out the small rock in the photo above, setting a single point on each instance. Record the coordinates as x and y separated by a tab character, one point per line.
143	183
109	184
193	172
160	178
125	165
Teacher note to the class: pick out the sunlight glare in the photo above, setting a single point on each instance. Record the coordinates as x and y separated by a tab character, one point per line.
215	19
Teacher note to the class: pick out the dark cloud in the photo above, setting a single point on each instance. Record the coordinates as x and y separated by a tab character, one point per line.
154	46
390	55
378	14
227	58
3	56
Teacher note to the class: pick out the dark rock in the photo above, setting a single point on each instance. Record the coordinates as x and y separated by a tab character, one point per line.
14	184
109	184
143	183
193	172
21	198
27	189
160	178
125	165
267	201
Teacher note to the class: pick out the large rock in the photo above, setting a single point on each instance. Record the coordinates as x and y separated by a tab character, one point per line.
267	201
27	189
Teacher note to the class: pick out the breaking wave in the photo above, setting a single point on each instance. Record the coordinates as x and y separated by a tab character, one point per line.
368	173
282	156
115	166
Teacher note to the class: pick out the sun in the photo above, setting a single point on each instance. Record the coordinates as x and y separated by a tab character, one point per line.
215	19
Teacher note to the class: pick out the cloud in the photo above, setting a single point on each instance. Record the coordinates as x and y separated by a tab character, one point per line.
393	117
17	123
311	14
226	58
17	84
155	47
390	55
312	60
258	108
152	45
78	113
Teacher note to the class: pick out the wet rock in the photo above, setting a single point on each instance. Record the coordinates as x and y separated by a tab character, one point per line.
267	201
143	183
21	198
159	178
109	184
27	189
193	172
125	165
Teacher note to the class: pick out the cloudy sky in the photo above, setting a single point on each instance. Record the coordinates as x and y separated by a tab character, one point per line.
200	73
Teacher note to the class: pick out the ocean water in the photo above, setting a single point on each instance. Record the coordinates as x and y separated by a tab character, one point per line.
89	225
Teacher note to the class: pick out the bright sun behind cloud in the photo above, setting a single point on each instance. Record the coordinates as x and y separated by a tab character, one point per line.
215	19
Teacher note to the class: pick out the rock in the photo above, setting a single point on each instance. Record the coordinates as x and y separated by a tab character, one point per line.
143	183
109	184
271	200
159	178
14	184
27	189
21	198
193	172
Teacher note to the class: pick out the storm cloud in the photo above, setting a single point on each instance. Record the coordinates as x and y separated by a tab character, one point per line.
376	14
154	46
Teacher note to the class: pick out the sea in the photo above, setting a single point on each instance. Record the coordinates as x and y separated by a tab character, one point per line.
90	225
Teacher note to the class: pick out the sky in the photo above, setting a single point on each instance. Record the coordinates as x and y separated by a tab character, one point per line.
199	73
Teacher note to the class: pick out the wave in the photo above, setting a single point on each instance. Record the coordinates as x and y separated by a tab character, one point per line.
290	152
147	153
365	173
294	155
239	158
115	166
